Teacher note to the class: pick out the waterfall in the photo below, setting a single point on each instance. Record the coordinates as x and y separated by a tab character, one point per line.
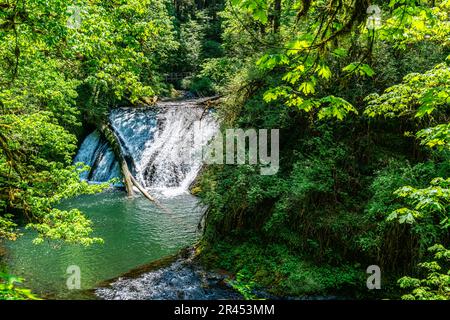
96	153
163	146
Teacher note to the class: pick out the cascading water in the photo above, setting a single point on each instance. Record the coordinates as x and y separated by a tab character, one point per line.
96	153
162	145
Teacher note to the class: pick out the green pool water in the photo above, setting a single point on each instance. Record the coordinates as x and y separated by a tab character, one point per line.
135	232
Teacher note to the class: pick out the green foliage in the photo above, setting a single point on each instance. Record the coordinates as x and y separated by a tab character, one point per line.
120	46
245	288
55	72
348	101
390	216
7	227
36	174
301	81
362	69
411	21
418	95
191	36
426	209
436	284
215	73
199	50
311	201
63	64
354	186
10	291
279	270
436	137
71	226
425	202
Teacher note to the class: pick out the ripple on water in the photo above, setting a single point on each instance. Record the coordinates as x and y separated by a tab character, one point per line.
182	280
135	233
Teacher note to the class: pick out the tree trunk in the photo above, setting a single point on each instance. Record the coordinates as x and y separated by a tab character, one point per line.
127	177
108	132
147	195
276	16
113	141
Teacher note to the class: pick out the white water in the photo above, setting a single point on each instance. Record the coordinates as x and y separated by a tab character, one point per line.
162	146
96	153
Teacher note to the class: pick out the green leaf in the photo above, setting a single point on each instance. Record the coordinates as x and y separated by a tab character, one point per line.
426	109
367	70
340	52
307	87
323	71
261	16
361	69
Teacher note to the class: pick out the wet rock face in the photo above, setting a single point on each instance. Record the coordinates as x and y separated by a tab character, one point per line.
180	281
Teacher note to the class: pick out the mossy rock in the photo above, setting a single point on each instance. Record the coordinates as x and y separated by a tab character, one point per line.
196	190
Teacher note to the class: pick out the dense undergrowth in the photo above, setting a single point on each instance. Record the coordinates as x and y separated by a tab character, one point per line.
338	203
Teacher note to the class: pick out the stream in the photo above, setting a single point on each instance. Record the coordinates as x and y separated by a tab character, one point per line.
134	231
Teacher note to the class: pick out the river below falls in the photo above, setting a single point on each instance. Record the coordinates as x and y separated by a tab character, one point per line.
163	146
135	232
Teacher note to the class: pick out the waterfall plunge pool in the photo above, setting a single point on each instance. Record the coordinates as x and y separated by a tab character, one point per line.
163	147
135	232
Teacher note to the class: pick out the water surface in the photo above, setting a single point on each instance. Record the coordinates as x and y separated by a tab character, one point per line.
135	233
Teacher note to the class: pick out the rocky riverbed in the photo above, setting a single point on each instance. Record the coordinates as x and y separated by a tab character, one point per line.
181	279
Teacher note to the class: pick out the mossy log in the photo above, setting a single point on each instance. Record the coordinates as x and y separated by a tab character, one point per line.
108	132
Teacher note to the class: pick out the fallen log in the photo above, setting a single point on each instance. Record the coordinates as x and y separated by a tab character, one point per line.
128	178
208	101
109	134
146	194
